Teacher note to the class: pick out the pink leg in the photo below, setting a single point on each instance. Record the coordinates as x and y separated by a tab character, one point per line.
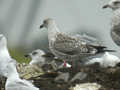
64	63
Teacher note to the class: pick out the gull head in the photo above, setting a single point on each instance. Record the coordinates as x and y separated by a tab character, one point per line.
113	4
47	23
35	54
3	41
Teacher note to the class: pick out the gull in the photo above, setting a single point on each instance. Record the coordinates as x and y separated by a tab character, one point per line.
107	60
4	54
40	58
37	57
13	80
67	47
115	28
8	69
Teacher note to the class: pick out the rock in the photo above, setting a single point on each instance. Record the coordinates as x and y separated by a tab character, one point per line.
63	76
27	71
79	76
86	86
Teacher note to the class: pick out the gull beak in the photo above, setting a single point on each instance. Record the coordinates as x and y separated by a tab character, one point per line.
106	6
27	55
41	26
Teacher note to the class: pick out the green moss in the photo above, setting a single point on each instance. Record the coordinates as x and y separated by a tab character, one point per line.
19	55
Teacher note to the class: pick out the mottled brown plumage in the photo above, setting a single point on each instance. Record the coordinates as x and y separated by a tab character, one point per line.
68	47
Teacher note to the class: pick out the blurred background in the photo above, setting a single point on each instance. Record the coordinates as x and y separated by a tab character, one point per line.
20	21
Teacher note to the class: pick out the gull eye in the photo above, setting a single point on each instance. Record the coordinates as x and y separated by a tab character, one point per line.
117	2
34	53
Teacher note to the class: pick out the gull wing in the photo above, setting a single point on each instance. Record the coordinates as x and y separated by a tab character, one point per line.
88	39
115	34
70	45
48	55
20	85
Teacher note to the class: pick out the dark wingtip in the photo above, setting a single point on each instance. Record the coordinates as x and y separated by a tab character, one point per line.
110	51
48	54
41	26
105	6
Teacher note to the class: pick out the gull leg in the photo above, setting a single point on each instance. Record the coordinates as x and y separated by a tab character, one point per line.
65	64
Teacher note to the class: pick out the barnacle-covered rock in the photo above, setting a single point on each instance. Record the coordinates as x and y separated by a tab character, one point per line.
27	71
86	86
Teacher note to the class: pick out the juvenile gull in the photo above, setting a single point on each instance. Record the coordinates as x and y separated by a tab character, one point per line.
14	82
66	47
115	31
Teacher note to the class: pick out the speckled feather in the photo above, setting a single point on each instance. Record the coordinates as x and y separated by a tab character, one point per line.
115	31
68	47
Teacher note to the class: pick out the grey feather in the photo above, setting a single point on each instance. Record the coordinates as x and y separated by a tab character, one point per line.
115	29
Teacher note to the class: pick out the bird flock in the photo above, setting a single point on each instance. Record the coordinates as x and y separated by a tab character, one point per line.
64	47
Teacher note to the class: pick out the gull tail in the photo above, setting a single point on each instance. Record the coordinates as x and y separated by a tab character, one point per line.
102	49
109	50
